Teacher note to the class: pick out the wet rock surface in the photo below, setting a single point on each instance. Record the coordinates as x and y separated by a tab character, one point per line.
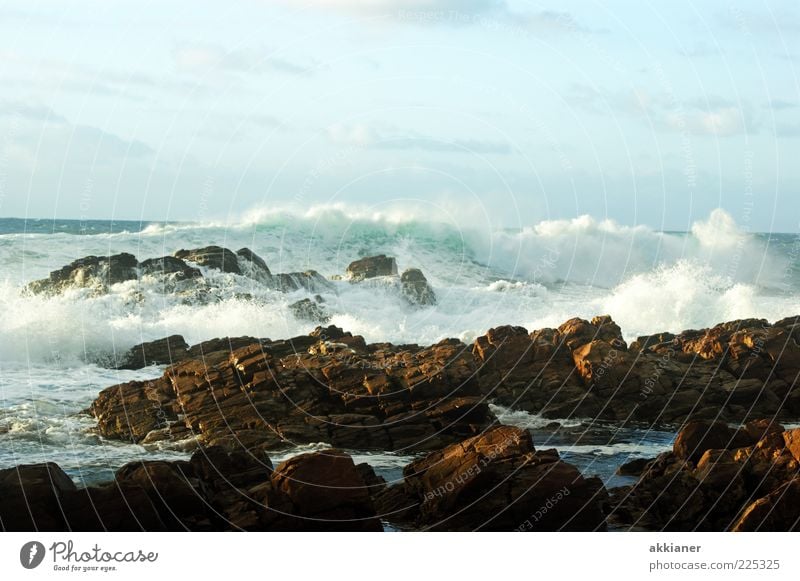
495	481
331	386
371	267
734	372
94	272
216	490
717	478
160	352
416	289
328	387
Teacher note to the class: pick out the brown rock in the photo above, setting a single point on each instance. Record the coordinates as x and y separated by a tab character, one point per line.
496	481
98	272
214	257
792	441
326	489
112	507
371	267
173	489
415	288
778	511
32	497
698	436
160	352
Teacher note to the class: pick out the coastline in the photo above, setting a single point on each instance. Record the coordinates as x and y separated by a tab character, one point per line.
240	399
236	402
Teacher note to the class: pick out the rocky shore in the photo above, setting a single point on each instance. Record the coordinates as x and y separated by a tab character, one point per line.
234	401
494	481
717	478
331	386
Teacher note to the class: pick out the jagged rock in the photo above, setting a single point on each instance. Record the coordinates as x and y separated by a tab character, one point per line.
214	257
792	440
216	490
160	352
98	272
252	265
681	492
554	372
327	489
779	511
699	436
325	388
497	481
658	384
634	467
415	288
531	372
371	267
309	280
576	332
31	497
659	341
130	411
169	265
309	310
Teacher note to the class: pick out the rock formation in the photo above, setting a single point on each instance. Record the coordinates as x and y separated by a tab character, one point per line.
718	478
216	490
94	272
733	372
496	481
371	267
416	289
326	387
175	272
492	481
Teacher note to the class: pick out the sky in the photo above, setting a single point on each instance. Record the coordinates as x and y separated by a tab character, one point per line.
641	112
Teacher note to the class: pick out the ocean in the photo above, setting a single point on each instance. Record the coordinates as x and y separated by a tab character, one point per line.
52	348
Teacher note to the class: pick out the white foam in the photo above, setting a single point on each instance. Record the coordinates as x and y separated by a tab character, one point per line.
540	276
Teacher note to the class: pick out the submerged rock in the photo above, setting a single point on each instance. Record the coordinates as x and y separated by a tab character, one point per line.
169	265
214	257
416	289
309	310
252	265
97	272
309	280
160	352
371	267
177	277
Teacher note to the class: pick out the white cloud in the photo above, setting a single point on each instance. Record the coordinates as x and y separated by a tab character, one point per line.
362	135
358	134
204	58
721	122
387	6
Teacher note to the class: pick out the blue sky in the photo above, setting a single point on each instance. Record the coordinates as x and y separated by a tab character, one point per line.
643	112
